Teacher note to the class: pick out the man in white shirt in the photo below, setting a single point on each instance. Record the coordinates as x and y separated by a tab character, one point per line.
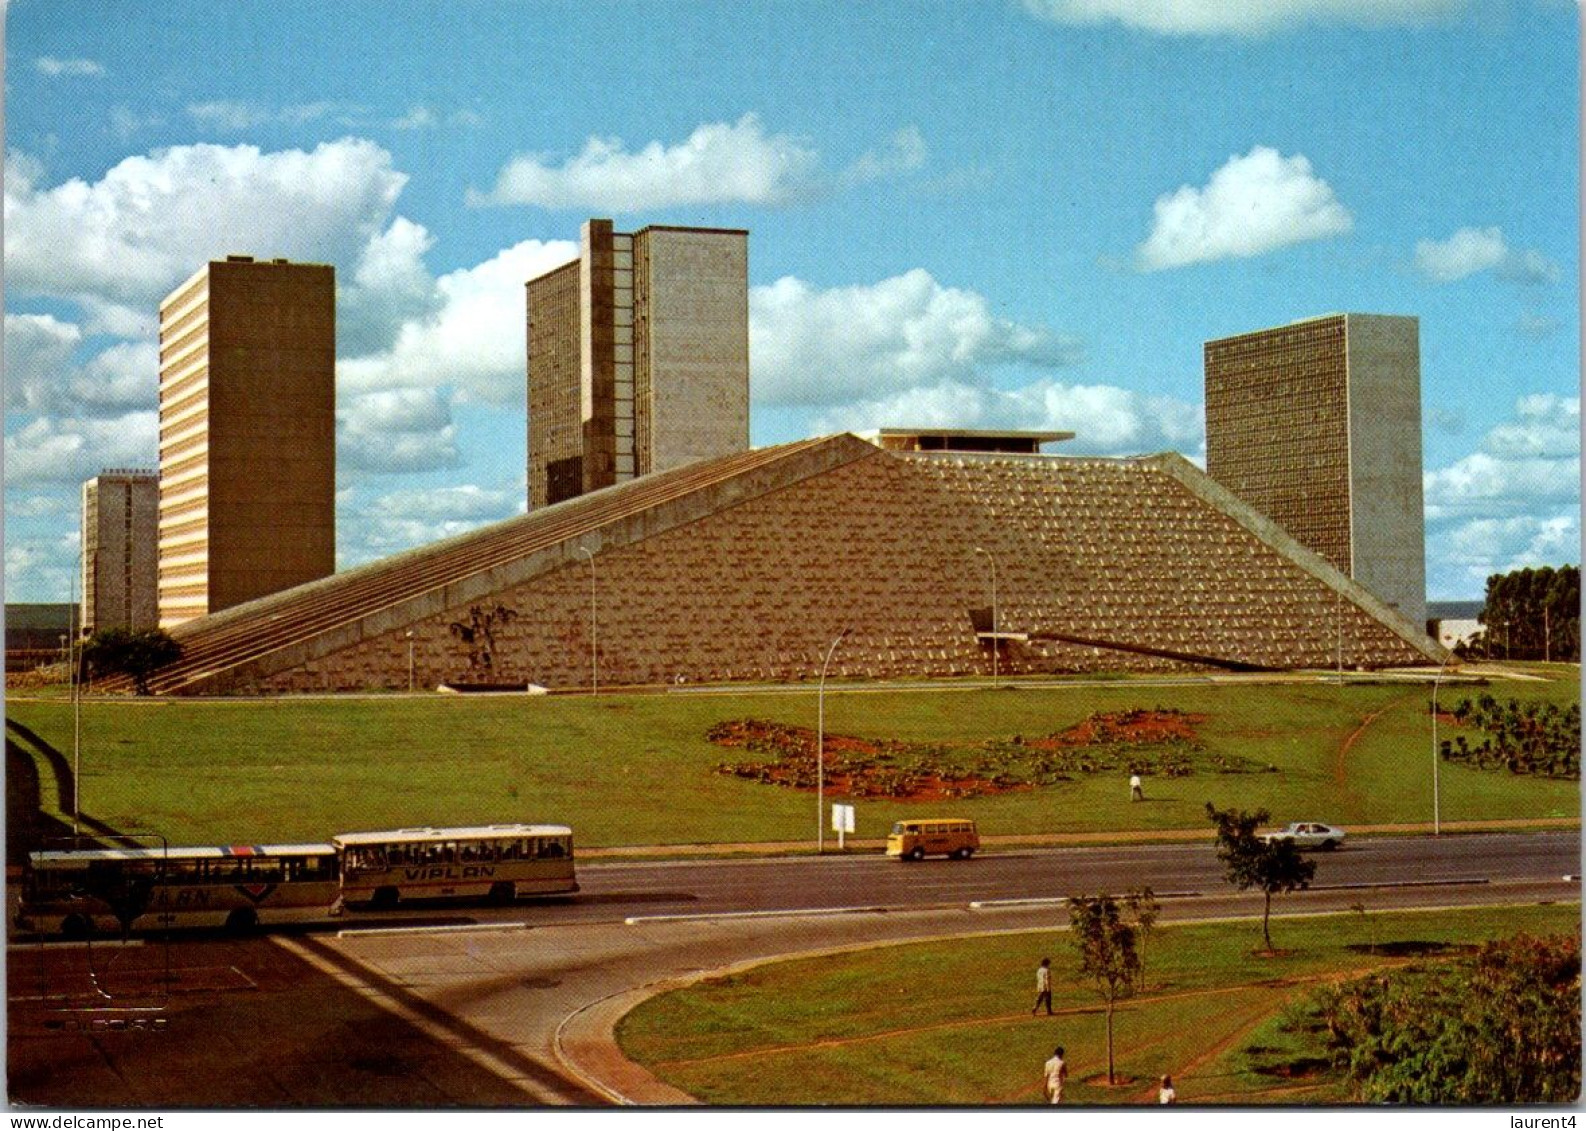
1043	987
1056	1073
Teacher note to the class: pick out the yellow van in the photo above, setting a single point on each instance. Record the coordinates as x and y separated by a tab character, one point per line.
911	840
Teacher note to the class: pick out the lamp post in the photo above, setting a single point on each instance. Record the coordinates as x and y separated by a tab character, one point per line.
594	663
410	660
996	643
1437	826
820	748
72	664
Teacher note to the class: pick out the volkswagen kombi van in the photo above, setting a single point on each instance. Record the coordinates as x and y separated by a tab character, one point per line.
944	836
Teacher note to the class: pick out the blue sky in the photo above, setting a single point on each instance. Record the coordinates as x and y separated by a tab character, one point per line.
975	214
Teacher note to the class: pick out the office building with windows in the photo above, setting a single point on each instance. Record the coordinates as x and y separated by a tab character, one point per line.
120	555
1317	425
247	434
638	357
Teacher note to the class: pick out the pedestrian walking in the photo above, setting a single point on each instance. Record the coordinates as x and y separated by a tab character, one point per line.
1136	790
1043	987
1056	1074
1167	1093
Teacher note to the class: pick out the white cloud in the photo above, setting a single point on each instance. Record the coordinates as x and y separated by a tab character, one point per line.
70	450
1252	205
719	163
38	353
905	151
397	430
390	284
39	569
152	220
1524	464
404	519
815	347
473	338
1106	419
77	68
1473	250
1462	557
1238	17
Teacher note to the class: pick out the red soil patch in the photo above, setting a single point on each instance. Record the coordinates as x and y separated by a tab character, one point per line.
860	767
1147	727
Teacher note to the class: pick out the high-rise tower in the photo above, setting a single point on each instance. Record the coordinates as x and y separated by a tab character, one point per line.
638	357
120	555
1318	425
247	434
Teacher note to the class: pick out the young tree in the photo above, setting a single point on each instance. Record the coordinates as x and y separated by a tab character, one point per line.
1107	954
1272	866
135	653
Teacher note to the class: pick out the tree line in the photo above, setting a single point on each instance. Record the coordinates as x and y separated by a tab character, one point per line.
1530	614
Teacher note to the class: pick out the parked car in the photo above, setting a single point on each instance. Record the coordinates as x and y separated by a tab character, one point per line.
1308	834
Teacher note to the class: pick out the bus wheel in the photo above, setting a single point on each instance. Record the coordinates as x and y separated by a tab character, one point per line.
917	854
384	897
503	892
75	927
964	853
242	921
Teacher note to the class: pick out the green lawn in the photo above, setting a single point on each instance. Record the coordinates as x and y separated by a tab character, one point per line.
949	1023
637	769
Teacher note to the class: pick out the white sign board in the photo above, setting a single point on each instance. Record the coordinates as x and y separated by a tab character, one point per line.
841	822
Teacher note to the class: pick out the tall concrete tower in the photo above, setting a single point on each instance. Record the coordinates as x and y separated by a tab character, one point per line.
120	552
638	357
247	434
1318	425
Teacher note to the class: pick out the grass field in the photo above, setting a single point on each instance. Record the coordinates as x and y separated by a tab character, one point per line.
949	1023
637	768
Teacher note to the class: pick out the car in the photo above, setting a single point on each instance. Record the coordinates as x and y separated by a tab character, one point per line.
1308	834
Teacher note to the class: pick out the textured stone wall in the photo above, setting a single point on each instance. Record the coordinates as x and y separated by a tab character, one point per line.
885	546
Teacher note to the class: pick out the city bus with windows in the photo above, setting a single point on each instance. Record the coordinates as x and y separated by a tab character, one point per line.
500	863
77	893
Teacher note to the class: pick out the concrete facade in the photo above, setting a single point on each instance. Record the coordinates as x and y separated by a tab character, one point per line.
638	357
120	550
1318	426
747	566
247	434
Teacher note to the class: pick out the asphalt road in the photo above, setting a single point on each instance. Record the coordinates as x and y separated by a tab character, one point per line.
514	1007
620	891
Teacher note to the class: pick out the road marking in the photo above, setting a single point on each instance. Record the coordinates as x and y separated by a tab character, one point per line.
449	928
806	912
1050	901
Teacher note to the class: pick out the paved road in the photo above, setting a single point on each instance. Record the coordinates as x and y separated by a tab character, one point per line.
621	891
516	1008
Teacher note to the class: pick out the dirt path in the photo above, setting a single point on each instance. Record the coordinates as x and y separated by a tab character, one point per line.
1340	774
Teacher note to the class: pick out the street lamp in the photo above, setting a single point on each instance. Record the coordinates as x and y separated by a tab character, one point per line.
820	748
594	663
1437	826
995	641
410	660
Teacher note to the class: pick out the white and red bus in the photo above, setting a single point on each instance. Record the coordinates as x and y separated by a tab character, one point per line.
496	862
115	890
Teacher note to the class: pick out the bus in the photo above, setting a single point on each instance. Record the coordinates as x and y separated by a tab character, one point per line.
500	863
78	893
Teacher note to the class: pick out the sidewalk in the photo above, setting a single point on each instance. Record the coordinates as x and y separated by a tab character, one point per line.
857	846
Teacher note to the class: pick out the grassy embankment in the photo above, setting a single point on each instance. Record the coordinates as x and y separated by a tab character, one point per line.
637	769
949	1022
